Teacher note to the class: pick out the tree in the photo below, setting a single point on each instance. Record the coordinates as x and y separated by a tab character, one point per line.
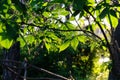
12	54
60	26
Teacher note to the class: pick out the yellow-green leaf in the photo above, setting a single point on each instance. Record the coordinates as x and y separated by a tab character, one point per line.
114	21
46	14
45	4
47	45
6	43
30	39
22	42
74	43
64	46
82	39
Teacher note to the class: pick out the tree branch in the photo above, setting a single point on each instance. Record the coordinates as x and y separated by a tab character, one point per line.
108	44
53	29
30	65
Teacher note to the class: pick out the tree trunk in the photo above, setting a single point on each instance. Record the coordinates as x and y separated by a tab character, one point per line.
114	73
11	54
115	54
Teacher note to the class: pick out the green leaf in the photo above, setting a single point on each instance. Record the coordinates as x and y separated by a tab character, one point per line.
5	10
47	45
64	46
45	4
5	40
104	48
72	18
74	43
1	28
22	42
92	47
114	21
30	39
53	36
6	43
60	11
70	25
103	13
82	38
18	20
9	1
46	14
91	2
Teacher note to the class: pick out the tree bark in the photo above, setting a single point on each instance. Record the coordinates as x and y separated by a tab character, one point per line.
115	54
114	73
11	54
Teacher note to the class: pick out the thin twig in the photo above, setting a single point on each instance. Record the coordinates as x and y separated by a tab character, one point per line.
46	71
28	78
30	65
53	29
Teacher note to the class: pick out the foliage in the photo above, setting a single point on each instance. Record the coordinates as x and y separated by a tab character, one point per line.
59	35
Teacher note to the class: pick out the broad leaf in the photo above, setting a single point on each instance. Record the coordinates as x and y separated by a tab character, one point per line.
74	43
30	39
6	43
114	21
46	14
64	46
82	38
22	42
9	1
60	11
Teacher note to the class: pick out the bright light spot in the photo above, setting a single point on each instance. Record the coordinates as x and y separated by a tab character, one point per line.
106	59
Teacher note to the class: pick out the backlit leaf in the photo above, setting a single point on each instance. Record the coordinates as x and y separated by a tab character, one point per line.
82	39
6	43
114	21
74	43
30	39
64	46
47	45
9	1
46	14
22	42
45	4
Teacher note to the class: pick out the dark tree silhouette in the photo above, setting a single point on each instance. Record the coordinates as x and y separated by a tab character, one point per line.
117	33
115	56
11	54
